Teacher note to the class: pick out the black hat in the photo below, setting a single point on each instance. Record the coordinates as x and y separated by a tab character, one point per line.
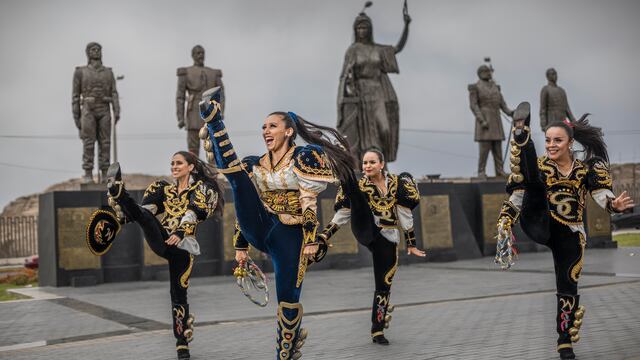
101	231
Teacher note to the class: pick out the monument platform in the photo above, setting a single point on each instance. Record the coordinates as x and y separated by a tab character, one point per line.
455	221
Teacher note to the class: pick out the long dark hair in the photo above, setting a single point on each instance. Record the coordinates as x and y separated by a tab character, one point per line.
590	137
202	171
339	153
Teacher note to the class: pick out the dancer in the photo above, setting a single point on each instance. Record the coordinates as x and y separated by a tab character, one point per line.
168	215
547	196
390	198
278	215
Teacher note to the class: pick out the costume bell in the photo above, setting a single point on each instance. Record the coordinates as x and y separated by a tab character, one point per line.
276	213
549	205
390	211
164	212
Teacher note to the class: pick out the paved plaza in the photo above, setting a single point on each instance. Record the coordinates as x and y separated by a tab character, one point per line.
457	310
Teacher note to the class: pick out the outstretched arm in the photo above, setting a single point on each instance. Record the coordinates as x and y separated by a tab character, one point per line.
405	34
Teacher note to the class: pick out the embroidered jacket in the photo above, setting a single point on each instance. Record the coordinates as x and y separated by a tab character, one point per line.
180	213
289	189
390	210
566	194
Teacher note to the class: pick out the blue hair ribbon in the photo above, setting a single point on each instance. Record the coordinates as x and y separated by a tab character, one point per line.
294	117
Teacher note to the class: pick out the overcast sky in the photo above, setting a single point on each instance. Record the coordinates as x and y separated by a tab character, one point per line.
287	55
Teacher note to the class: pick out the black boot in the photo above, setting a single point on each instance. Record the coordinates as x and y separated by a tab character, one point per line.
120	201
290	336
182	329
568	323
380	318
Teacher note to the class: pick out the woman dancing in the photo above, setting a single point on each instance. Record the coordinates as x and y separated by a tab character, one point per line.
168	216
547	196
275	201
390	198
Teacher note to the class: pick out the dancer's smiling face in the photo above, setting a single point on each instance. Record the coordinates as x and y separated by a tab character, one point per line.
557	143
180	168
372	165
275	133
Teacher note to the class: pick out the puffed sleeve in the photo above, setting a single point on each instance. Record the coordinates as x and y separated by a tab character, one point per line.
599	183
313	170
342	207
202	203
153	197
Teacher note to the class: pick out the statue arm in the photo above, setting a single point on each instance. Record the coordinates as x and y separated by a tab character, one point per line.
543	107
405	35
473	104
180	95
569	113
504	107
75	96
115	100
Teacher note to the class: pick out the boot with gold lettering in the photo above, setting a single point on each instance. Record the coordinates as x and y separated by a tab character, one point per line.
380	317
569	321
182	329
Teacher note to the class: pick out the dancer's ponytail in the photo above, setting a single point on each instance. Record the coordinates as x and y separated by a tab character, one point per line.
203	171
590	137
333	143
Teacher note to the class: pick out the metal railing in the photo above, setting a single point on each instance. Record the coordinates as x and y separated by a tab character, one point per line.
18	236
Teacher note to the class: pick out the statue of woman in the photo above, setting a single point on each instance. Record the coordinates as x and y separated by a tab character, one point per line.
368	112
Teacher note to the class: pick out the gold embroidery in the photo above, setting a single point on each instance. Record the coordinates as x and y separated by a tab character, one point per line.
323	172
228	153
184	279
388	277
382	206
577	268
220	133
412	191
282	201
224	143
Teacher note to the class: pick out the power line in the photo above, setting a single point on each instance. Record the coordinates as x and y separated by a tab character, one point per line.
36	168
424	148
174	136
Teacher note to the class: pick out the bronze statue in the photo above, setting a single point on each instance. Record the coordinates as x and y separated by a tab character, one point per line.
368	113
192	82
554	105
94	95
486	101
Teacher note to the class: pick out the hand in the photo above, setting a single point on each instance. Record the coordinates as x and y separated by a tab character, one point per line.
242	256
412	250
484	124
310	250
407	19
173	240
181	124
622	202
78	123
117	116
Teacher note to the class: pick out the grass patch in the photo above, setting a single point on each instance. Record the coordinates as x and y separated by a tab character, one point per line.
13	278
6	296
628	240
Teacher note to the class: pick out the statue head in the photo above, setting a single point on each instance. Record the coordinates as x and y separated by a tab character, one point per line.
362	29
484	72
197	54
93	51
552	75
